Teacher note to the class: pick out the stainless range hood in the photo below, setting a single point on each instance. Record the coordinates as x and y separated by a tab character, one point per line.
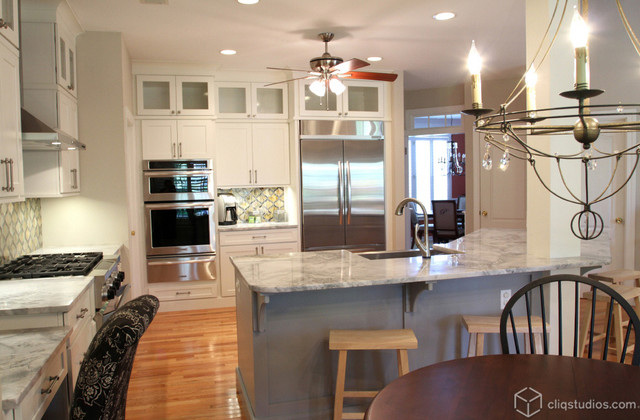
37	135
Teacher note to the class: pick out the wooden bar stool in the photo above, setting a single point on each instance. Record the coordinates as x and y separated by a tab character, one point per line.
345	340
631	294
478	326
617	276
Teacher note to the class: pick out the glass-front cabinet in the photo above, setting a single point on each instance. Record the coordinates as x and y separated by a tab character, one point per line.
251	100
361	99
9	22
175	95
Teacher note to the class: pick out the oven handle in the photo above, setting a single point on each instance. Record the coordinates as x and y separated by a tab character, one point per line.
179	205
152	173
181	260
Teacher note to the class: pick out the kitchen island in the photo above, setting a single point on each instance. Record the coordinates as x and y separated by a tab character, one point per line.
286	304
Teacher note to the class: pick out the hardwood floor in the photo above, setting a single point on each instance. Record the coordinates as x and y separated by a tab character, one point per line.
185	368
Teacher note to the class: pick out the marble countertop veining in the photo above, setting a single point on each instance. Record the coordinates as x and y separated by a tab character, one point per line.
255	226
485	252
41	295
23	354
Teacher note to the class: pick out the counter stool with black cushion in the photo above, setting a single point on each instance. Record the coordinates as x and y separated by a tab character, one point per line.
345	340
630	294
103	379
478	326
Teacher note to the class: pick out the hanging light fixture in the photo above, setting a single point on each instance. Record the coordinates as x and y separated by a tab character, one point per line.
498	128
454	162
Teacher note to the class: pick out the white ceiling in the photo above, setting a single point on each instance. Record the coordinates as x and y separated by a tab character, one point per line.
283	33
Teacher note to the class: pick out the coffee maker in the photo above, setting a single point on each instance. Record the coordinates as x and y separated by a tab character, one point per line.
227	209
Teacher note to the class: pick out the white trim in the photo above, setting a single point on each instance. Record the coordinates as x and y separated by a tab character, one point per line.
425	112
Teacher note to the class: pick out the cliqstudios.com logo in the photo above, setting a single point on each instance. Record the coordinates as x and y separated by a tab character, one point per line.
528	402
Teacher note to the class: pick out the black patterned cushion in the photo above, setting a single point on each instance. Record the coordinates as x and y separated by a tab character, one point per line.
103	380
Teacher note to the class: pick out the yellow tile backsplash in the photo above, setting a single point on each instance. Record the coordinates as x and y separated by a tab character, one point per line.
268	200
20	228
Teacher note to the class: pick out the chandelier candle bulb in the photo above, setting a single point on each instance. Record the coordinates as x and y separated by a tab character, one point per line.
579	38
475	64
531	79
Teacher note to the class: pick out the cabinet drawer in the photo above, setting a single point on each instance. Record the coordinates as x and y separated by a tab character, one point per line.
78	349
258	236
201	291
80	311
45	387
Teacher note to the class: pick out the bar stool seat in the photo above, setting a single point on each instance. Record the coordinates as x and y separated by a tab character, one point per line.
617	276
628	292
479	325
345	340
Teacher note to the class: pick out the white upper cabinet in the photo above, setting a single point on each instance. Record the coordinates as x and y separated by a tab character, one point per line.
11	175
51	173
66	59
176	139
251	100
361	99
175	95
9	22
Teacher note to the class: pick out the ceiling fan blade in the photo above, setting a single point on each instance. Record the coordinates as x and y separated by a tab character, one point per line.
354	63
290	80
383	77
282	68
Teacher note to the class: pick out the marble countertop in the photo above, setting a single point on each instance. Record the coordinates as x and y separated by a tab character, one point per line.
23	355
109	249
42	295
481	253
255	226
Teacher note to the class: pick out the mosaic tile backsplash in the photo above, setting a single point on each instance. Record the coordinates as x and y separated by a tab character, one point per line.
20	229
268	200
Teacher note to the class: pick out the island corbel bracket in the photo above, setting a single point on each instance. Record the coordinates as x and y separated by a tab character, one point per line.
410	292
260	311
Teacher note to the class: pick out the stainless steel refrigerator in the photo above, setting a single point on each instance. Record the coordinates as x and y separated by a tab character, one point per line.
342	185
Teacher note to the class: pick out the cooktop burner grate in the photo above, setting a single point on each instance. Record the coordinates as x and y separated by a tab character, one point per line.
50	265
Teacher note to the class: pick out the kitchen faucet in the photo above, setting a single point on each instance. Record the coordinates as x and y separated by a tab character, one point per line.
424	246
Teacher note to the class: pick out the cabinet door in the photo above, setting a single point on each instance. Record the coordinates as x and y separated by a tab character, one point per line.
194	95
363	99
69	171
270	154
11	185
233	155
312	105
194	139
227	271
67	113
9	22
159	139
269	102
234	100
279	248
156	95
66	50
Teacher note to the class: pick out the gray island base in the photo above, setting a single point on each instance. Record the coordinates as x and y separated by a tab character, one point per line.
286	304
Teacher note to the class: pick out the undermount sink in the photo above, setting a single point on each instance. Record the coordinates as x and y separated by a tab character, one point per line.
405	253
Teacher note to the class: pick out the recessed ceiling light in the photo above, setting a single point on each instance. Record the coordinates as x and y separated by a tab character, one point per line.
227	52
248	1
374	58
444	16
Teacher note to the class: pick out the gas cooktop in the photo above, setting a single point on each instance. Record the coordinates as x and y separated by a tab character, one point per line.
50	265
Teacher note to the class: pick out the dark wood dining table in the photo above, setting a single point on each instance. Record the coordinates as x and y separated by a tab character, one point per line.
512	387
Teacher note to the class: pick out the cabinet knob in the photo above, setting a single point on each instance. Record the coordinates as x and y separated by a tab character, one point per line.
484	213
3	24
173	112
178	112
619	220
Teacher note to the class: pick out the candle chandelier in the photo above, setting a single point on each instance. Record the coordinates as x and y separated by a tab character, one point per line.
454	161
507	130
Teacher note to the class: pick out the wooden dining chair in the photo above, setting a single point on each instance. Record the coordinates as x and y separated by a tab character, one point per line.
533	300
445	221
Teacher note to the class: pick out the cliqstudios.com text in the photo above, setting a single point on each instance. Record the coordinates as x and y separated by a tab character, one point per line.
591	404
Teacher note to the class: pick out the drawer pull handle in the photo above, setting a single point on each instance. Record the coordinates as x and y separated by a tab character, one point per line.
183	293
54	380
259	236
83	311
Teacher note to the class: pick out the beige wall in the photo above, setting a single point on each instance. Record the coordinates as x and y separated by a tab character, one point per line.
434	98
99	214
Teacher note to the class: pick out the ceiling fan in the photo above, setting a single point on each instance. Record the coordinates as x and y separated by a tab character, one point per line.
327	71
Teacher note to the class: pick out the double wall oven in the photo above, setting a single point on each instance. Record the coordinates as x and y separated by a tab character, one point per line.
179	220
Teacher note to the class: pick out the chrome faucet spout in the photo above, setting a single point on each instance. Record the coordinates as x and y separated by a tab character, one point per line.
423	246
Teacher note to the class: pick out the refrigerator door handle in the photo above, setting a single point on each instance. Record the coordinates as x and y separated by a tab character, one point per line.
348	198
340	192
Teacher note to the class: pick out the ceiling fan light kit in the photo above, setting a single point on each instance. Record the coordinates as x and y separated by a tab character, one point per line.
500	127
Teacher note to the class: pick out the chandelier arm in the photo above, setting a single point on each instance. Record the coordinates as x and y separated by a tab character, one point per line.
627	26
608	155
613	175
511	96
625	182
565	183
532	162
